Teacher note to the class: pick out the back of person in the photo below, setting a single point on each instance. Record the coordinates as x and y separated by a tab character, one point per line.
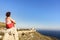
9	23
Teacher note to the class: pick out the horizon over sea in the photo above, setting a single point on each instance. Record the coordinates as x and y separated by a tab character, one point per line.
51	33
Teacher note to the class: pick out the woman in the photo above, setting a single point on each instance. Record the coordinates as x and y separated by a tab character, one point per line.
10	25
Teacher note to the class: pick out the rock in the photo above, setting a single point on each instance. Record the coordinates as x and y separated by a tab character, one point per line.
27	34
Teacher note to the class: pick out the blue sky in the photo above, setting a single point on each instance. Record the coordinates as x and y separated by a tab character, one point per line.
43	14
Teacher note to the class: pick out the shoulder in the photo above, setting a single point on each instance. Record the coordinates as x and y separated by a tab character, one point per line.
10	18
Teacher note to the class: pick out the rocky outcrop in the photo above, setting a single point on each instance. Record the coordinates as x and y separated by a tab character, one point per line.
27	34
33	35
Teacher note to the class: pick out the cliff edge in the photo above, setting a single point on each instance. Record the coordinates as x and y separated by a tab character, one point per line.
27	34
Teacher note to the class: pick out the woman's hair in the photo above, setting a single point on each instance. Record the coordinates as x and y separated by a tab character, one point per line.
8	14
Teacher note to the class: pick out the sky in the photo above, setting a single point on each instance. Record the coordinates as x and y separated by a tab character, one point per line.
40	14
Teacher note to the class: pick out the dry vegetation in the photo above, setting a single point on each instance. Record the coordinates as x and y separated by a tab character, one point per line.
29	35
2	25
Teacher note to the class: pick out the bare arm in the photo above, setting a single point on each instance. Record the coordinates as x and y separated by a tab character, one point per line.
13	20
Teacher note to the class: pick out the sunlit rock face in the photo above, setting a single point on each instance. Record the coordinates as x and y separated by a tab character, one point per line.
33	35
29	35
25	34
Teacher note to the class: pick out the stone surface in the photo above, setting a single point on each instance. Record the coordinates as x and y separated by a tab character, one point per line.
26	34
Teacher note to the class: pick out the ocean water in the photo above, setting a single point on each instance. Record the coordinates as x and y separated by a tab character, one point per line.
50	33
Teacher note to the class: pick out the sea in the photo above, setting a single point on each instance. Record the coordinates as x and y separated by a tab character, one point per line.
52	33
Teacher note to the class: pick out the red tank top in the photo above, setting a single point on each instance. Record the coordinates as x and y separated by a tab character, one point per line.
10	25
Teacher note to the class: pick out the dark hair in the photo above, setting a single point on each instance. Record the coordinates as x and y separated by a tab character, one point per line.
8	14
